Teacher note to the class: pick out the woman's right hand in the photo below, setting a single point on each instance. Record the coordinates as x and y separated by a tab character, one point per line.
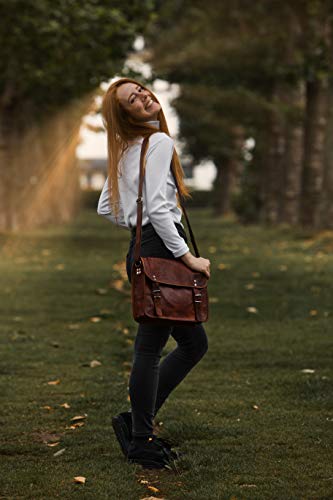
197	263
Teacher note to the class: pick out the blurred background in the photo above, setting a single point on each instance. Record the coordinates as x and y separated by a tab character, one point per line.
247	89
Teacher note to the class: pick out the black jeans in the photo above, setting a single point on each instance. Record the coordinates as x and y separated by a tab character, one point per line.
151	381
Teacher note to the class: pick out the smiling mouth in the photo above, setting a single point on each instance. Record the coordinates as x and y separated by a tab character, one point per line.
149	103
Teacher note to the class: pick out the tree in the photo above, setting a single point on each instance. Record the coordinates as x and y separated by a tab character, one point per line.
52	57
270	54
318	47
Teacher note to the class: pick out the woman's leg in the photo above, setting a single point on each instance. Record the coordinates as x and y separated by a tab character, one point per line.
192	345
143	382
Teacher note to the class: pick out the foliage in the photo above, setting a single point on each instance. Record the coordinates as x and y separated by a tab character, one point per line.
52	52
230	58
246	202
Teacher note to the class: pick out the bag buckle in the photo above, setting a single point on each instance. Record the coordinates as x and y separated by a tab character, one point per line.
156	290
197	295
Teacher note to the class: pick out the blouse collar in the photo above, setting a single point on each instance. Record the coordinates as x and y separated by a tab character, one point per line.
154	123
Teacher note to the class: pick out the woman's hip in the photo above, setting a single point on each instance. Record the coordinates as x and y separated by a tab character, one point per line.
152	245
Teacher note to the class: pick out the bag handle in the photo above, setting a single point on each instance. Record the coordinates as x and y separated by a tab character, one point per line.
139	206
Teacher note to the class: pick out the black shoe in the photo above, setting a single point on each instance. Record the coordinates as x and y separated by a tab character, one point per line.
122	425
150	453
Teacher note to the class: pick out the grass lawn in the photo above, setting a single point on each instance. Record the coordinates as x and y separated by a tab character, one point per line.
254	418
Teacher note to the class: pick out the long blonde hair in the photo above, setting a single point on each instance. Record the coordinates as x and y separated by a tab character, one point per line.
122	128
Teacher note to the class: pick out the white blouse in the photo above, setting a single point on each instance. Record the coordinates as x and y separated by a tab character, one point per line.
159	205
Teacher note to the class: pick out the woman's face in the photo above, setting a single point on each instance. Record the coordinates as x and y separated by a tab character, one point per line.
138	102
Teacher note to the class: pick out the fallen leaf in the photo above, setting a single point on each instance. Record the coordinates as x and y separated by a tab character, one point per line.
95	319
47	407
79	479
79	417
60	452
51	445
125	331
65	405
308	370
313	312
75	426
60	267
101	291
252	310
95	363
249	286
152	498
54	382
153	489
255	407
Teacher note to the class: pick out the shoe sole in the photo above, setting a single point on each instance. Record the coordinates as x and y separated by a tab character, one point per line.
121	431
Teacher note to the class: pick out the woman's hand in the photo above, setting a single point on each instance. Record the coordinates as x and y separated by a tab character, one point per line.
197	263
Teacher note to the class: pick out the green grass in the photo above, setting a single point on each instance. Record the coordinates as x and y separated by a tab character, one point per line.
251	423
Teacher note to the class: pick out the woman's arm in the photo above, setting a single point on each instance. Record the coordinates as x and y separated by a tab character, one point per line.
104	208
158	159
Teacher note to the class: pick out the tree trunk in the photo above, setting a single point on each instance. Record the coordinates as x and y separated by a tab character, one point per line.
275	157
327	204
229	170
313	168
7	176
293	162
221	187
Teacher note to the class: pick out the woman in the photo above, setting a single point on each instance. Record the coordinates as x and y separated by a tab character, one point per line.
131	112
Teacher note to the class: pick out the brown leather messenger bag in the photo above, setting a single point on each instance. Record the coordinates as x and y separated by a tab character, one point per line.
163	290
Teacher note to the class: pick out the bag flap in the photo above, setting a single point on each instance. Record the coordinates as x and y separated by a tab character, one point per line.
172	272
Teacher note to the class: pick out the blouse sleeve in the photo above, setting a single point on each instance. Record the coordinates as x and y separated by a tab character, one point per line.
104	208
158	159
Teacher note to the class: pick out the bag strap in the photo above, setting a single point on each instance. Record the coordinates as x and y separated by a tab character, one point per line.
139	206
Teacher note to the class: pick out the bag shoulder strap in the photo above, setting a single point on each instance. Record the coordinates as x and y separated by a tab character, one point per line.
139	205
